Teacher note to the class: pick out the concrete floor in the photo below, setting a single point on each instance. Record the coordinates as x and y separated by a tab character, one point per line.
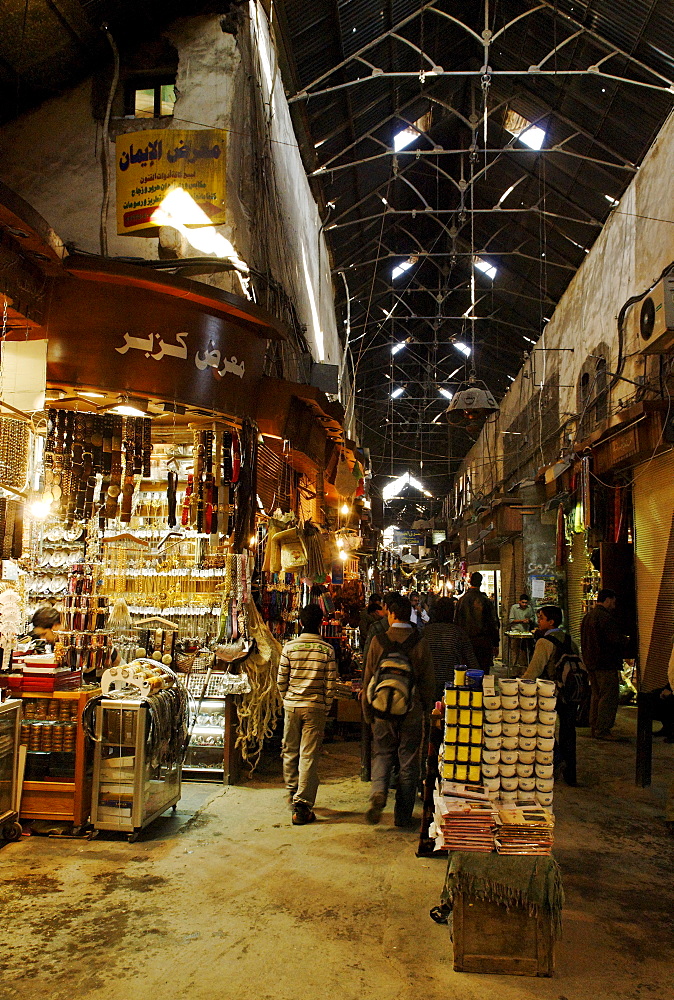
227	899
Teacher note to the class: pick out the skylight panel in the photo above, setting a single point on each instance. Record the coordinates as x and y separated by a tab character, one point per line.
485	267
408	135
401	268
531	135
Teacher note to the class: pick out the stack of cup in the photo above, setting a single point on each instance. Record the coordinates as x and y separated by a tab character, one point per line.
545	740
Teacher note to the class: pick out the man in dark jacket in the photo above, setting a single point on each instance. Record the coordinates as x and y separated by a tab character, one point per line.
476	615
604	645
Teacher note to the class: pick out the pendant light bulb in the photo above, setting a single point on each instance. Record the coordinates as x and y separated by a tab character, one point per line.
345	509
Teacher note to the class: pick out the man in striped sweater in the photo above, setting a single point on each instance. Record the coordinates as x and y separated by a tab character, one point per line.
307	677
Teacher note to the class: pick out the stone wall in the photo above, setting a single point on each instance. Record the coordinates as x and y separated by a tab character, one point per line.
633	248
227	78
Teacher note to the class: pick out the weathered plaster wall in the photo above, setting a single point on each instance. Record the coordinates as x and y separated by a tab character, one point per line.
52	158
635	245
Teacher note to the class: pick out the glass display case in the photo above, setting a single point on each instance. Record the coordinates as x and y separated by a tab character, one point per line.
129	789
10	720
205	754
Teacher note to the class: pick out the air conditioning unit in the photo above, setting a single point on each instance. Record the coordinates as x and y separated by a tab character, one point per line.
656	318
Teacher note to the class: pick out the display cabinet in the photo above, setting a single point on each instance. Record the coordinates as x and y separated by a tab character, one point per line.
129	790
57	780
10	719
212	754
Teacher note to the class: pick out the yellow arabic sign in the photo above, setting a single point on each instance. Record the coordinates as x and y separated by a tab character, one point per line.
153	162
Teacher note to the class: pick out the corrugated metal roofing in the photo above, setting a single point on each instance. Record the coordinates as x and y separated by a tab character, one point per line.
589	116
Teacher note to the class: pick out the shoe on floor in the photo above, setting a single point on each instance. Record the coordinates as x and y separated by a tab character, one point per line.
302	814
377	803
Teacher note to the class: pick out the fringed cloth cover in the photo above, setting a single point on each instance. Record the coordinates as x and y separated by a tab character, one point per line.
534	883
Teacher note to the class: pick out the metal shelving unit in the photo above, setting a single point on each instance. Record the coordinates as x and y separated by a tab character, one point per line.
10	722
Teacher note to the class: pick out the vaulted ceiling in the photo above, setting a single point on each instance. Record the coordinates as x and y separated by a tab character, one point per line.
595	77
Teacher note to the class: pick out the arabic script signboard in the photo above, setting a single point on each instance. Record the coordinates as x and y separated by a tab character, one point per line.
153	162
139	341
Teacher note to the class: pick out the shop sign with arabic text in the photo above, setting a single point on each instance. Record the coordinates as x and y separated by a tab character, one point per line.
151	163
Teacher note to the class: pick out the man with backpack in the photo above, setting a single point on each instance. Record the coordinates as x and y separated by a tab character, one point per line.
556	658
398	687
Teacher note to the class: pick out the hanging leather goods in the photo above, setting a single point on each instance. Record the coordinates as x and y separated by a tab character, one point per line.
293	551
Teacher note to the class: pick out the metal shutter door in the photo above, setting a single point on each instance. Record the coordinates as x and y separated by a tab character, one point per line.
654	560
575	571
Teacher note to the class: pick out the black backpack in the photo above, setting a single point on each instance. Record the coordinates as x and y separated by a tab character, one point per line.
390	693
569	673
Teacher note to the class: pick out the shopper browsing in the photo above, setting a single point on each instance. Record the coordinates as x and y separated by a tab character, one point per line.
604	645
419	615
450	646
476	614
307	676
398	686
381	625
553	644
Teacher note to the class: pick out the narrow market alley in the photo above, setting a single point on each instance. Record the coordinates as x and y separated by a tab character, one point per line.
227	899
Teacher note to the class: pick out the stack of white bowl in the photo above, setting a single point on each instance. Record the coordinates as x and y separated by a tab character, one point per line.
545	740
519	730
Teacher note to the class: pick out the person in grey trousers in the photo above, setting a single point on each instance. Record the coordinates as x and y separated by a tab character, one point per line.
307	677
398	741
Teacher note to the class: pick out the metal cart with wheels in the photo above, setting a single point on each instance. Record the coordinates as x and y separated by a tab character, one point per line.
10	732
129	790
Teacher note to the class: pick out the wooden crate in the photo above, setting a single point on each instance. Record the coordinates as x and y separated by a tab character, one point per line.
511	942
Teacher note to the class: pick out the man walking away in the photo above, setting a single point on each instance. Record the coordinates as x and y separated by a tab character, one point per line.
307	678
476	615
549	649
397	739
604	645
449	645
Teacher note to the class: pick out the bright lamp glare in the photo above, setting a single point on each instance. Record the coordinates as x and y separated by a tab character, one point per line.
343	555
128	411
345	509
397	392
446	393
464	348
396	348
40	509
179	210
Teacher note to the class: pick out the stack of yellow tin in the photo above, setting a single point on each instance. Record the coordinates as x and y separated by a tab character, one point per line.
461	751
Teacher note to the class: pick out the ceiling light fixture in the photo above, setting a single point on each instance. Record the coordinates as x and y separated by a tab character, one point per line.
446	393
397	347
464	348
397	392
